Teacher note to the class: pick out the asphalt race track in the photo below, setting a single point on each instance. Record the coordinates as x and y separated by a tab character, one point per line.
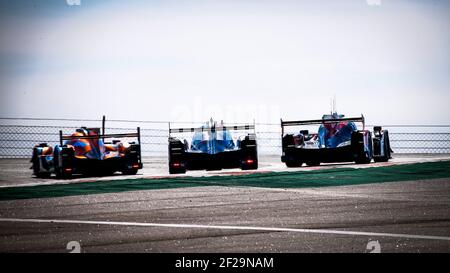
402	205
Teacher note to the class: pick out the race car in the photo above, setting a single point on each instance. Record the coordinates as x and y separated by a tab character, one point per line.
86	152
337	140
212	147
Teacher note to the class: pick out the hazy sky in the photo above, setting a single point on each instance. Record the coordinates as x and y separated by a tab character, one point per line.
232	59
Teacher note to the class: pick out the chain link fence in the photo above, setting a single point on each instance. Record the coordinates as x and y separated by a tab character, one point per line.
18	136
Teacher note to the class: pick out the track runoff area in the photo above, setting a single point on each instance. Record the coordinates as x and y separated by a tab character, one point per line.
400	206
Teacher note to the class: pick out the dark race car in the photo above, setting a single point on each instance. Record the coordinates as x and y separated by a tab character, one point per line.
86	152
212	147
338	140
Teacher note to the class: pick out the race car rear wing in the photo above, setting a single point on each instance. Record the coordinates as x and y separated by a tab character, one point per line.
102	136
212	129
319	121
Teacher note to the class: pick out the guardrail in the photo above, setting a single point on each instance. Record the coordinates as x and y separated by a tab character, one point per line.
19	135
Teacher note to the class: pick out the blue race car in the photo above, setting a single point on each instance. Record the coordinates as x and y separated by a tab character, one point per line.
337	140
212	148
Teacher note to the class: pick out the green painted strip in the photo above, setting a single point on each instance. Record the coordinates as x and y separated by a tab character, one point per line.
299	179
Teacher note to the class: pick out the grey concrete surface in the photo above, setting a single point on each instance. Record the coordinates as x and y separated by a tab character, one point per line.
415	208
17	172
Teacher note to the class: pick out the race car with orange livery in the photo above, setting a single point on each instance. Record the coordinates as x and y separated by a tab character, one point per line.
87	152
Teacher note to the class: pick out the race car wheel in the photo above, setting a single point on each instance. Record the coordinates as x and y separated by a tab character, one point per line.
43	175
61	174
176	169
249	164
57	164
312	163
386	149
61	170
36	169
365	157
130	172
36	165
292	162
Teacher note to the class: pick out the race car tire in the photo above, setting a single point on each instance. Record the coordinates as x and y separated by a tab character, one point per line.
292	162
59	172
312	163
253	166
43	175
366	156
178	170
365	159
35	160
244	168
386	147
36	169
56	163
130	172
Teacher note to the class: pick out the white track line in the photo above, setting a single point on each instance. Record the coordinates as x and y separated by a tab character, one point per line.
299	230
